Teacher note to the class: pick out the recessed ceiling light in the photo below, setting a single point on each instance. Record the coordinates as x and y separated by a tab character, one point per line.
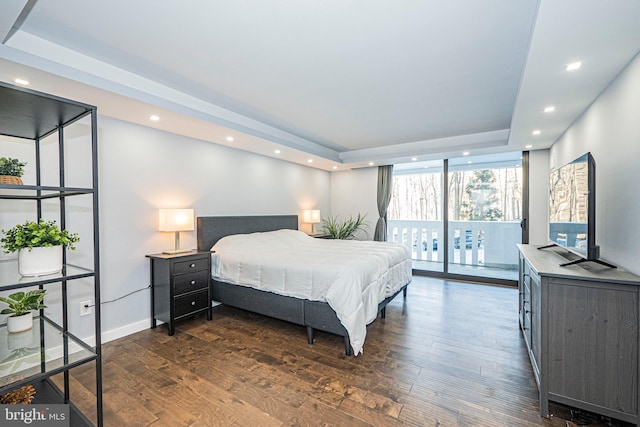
154	118
466	153
573	66
536	132
21	81
309	160
528	146
371	163
276	151
469	162
413	159
229	138
549	109
335	167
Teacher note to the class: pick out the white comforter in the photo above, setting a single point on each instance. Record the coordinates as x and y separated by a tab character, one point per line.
352	276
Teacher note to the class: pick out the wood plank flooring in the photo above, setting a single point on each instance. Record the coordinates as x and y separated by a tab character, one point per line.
451	354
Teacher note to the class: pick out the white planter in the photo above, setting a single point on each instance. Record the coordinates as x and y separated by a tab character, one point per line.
19	323
40	261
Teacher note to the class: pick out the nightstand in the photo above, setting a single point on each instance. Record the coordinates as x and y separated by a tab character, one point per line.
321	236
180	286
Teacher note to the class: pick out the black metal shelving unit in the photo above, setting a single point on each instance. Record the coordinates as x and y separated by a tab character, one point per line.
31	115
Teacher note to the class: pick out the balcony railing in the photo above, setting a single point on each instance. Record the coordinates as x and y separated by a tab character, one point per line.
481	243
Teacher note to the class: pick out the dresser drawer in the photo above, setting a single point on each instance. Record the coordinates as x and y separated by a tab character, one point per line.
191	265
190	282
190	303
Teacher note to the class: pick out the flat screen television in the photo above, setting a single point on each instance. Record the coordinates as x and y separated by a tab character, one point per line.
572	209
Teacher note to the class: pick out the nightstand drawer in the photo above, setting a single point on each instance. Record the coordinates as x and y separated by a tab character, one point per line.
187	304
190	282
191	265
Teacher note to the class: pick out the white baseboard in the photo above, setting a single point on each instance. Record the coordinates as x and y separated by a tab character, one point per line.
129	329
120	332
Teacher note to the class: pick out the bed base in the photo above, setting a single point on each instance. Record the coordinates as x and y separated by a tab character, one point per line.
314	315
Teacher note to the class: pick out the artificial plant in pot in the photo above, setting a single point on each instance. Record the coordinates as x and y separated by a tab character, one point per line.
344	229
11	170
21	304
39	246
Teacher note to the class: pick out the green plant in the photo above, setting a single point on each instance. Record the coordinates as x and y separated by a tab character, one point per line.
36	235
343	229
23	302
11	167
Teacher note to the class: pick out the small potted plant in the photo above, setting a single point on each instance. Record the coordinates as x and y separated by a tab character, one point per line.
39	246
21	305
344	229
11	170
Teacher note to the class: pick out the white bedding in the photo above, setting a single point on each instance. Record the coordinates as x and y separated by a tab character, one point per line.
352	276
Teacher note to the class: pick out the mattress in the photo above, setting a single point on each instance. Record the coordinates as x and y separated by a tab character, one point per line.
352	276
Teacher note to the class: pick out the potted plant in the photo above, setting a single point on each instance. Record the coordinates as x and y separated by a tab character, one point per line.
343	229
39	246
20	308
11	170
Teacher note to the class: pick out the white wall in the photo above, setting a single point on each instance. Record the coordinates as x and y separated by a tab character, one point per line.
143	169
610	130
355	192
538	197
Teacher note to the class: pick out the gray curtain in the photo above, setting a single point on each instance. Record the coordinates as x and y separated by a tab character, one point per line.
385	176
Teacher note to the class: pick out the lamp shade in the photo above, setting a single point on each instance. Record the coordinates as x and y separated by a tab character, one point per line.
176	220
311	216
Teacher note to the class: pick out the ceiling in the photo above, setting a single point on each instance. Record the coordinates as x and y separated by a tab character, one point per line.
342	83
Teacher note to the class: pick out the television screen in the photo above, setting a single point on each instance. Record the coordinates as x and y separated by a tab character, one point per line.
571	210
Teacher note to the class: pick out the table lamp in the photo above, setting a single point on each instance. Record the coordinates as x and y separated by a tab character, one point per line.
311	217
176	220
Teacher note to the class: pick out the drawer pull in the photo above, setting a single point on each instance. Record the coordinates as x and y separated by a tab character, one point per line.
192	265
193	303
193	282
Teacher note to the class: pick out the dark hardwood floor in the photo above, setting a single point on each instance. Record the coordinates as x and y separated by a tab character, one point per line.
451	354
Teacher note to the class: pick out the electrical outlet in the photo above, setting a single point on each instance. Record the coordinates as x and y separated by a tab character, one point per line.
85	308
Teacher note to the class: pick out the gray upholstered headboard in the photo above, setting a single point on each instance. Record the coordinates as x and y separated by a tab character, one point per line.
213	228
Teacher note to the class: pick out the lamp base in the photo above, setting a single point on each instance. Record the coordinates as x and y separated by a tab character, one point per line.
177	251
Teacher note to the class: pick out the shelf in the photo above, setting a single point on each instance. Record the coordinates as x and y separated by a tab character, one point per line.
23	360
47	392
11	279
39	192
32	115
49	349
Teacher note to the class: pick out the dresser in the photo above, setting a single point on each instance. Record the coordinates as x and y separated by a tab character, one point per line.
180	286
580	324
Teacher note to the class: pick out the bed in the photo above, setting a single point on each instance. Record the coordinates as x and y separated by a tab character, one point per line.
312	292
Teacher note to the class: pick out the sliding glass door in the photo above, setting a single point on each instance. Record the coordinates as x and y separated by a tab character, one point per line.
415	214
485	210
470	229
